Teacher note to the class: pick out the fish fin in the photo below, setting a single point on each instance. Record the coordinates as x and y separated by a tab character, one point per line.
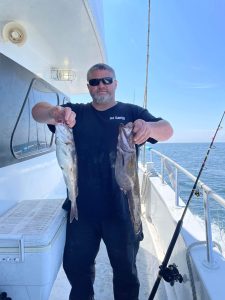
135	210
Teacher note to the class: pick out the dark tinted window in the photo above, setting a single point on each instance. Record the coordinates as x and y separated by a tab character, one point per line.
30	137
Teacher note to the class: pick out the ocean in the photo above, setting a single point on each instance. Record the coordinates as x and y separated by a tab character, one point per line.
191	156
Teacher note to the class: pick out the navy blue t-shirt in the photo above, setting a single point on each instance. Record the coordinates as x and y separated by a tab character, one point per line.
96	135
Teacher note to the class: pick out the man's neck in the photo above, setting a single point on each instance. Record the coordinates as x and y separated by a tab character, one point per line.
103	106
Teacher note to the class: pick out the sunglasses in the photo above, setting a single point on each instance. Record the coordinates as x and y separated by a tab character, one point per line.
104	80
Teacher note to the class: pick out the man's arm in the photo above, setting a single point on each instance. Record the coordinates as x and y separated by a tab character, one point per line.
160	131
44	112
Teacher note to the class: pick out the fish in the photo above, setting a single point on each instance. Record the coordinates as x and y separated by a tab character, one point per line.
67	160
126	172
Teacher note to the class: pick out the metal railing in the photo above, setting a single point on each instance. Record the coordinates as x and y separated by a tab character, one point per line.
167	165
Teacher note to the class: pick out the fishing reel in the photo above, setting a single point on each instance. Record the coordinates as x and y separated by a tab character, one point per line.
170	274
3	296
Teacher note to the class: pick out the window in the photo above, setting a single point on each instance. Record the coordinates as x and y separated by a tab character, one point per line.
30	137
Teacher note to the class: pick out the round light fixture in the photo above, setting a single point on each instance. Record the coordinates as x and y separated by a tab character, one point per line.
15	33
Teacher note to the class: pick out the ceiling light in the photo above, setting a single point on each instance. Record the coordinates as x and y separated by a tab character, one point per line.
15	33
63	74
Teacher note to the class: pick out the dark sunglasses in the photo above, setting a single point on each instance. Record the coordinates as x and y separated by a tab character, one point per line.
96	81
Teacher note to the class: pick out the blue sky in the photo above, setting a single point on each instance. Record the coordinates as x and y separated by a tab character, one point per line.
187	61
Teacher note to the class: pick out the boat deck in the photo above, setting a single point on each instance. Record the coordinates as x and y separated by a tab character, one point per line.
147	264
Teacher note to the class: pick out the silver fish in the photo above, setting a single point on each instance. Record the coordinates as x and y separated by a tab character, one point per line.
126	172
67	159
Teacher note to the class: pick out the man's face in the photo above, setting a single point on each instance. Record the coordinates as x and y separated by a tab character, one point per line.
102	93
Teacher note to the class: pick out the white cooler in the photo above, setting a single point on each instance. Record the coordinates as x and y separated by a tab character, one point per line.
32	238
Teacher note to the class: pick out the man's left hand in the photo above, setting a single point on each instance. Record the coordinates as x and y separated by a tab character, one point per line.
142	131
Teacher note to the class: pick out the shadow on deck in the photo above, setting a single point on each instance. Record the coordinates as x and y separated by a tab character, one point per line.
147	265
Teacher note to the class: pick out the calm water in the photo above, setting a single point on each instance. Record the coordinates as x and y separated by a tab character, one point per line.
191	156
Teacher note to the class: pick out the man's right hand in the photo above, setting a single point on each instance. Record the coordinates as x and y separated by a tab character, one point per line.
44	112
63	115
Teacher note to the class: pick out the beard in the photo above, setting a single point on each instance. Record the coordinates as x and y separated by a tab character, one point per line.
101	99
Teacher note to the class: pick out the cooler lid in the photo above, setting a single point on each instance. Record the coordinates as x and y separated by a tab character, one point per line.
35	221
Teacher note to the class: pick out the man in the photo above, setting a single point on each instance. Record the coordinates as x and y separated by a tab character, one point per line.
103	211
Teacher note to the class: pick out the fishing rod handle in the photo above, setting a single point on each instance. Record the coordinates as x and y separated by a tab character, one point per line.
155	288
166	259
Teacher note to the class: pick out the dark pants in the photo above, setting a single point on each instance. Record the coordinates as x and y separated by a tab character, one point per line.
82	245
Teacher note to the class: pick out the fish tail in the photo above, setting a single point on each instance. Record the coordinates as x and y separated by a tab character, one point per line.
73	213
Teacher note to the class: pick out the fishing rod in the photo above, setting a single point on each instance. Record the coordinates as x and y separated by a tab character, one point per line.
171	273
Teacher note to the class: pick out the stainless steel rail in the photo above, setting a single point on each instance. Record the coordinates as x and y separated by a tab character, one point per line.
206	191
